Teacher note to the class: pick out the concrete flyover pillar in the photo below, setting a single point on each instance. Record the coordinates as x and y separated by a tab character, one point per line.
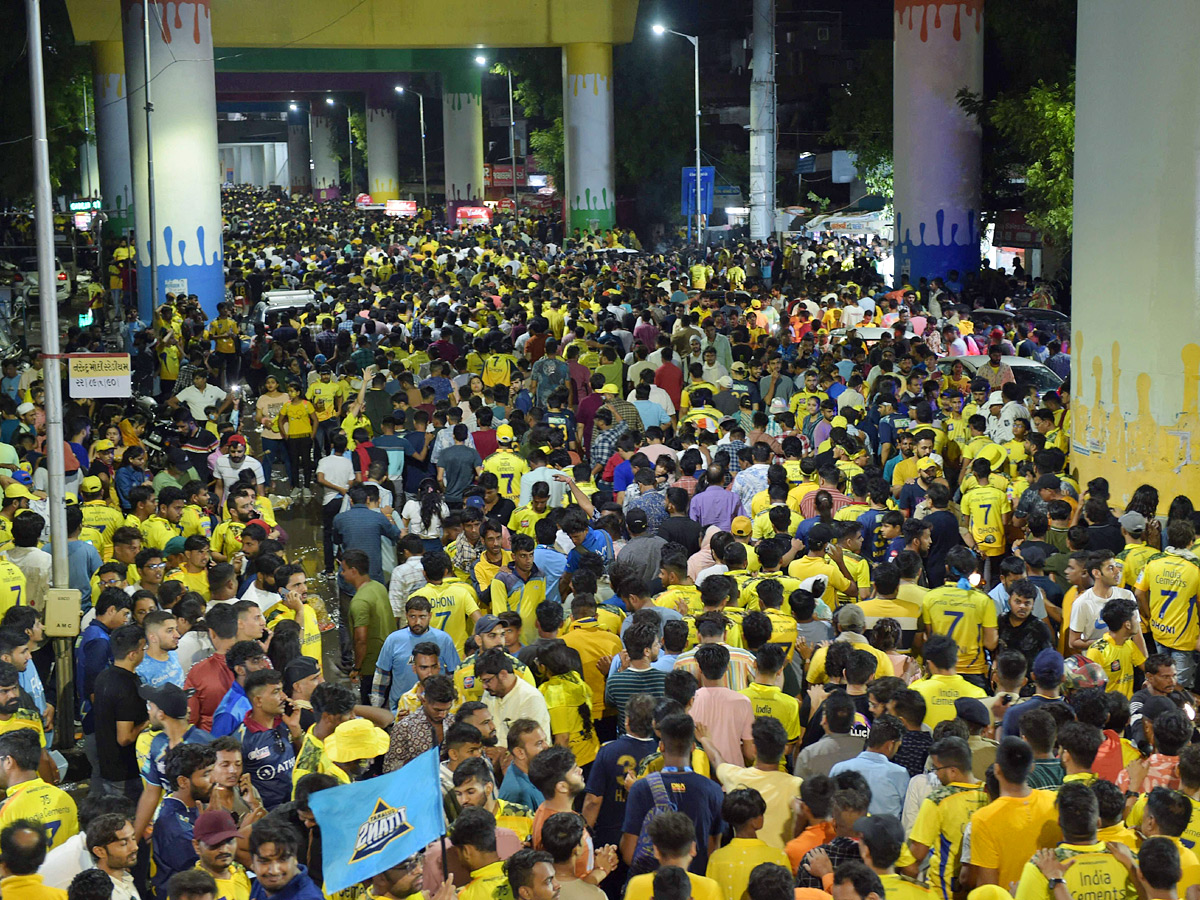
187	192
936	145
588	126
323	131
112	133
1136	274
383	157
299	172
462	132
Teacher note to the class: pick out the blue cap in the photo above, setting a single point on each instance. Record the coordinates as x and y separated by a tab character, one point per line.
319	358
475	501
22	477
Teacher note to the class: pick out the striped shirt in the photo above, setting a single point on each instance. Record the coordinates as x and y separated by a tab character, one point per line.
624	684
738	676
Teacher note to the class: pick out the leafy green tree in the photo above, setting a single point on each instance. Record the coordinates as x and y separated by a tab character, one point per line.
67	75
860	118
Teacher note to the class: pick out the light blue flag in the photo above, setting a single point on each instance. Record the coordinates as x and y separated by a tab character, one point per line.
372	825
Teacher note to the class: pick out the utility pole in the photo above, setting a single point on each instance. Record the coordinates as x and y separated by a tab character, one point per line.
762	122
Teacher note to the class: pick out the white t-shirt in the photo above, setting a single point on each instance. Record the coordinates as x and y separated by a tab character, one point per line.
225	470
198	400
337	470
524	701
1085	613
411	514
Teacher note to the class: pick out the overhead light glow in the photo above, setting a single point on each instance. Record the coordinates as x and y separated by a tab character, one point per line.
659	29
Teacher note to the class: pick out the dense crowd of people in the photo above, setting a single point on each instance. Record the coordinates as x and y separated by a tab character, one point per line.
715	573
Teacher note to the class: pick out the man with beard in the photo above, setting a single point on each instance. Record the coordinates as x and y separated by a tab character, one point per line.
476	712
560	779
404	880
273	848
113	844
1019	629
226	541
120	713
394	674
214	839
161	665
474	785
189	771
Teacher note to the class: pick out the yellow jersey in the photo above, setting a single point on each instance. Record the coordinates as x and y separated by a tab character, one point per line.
324	398
44	803
24	718
1133	559
940	692
731	865
963	615
156	531
1009	830
310	637
835	582
104	519
508	469
748	593
564	696
641	887
897	887
940	823
227	538
453	604
194	581
312	758
1093	872
783	630
297	414
1171	583
985	508
225	333
525	518
770	701
688	593
1118	662
12	586
235	887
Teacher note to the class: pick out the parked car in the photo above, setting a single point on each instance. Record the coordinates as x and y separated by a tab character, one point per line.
28	279
1027	372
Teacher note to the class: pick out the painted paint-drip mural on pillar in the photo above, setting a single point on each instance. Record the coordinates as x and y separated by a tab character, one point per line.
462	130
187	197
323	131
588	119
383	163
936	144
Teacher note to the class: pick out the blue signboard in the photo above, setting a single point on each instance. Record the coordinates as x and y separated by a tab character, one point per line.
687	201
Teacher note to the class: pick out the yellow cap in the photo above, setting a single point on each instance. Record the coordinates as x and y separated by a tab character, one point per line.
504	434
838	422
15	491
927	463
609	389
92	485
356	739
741	527
101	446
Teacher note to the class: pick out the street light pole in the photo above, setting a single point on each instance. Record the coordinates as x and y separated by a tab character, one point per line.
424	177
350	140
695	41
512	139
47	300
150	195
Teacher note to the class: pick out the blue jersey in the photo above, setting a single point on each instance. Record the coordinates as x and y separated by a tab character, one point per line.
268	755
395	658
154	773
613	762
874	543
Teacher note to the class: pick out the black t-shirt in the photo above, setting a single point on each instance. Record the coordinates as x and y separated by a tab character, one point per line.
116	700
682	530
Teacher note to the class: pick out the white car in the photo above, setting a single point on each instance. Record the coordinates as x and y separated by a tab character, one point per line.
1027	372
28	279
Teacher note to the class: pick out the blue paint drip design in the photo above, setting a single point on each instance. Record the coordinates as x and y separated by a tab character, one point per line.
205	278
936	259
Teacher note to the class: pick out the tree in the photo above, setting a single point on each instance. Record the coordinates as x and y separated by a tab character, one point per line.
1036	130
537	87
67	75
860	118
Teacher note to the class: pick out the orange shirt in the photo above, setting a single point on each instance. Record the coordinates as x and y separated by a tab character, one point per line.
811	837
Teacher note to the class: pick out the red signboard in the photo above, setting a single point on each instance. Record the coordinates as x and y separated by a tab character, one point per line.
362	200
500	174
1013	231
473	215
400	208
507	204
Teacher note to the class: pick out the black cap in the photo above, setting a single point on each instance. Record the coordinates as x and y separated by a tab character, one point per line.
879	829
637	520
169	697
297	670
971	710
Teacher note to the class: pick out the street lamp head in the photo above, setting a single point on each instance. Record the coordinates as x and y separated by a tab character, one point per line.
481	60
399	89
659	29
329	100
293	107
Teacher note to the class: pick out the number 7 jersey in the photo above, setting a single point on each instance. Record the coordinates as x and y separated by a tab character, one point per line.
1171	583
961	614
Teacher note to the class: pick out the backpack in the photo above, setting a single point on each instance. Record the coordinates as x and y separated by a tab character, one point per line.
643	852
